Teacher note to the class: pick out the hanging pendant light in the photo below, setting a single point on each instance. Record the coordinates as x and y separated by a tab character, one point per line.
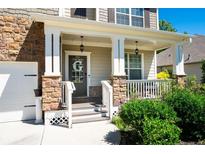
81	46
136	49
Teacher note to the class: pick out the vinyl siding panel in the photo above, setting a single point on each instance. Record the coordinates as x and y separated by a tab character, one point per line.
103	14
193	69
149	65
153	18
67	12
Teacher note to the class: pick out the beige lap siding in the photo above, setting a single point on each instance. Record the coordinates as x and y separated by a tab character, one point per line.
153	18
149	65
100	60
103	14
194	69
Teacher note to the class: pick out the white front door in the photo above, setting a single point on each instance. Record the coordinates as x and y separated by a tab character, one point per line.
17	83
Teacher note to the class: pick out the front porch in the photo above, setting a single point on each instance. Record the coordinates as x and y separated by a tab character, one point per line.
108	67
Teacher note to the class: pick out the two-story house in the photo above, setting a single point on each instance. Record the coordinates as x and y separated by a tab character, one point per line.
76	55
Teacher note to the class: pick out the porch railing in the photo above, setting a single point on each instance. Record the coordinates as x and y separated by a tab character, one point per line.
67	90
107	97
147	88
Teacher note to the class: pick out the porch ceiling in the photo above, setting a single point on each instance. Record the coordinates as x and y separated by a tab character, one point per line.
71	39
150	38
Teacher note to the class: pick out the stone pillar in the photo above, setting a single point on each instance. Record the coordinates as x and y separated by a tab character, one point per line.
180	79
51	93
118	80
119	89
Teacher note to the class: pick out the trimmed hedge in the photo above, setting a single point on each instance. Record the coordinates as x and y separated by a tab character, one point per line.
150	122
134	112
156	131
190	108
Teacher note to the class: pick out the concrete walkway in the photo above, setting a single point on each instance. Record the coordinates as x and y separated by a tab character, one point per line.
97	133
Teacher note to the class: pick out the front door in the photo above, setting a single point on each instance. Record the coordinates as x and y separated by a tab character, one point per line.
78	74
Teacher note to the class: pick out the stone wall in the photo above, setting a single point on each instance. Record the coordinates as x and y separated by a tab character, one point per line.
119	89
22	40
51	92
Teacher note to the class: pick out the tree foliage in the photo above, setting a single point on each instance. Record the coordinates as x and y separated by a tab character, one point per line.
166	26
203	71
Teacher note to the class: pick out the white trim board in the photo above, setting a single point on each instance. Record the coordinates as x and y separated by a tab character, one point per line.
78	53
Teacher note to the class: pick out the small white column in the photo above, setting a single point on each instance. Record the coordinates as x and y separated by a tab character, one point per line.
178	60
52	52
118	57
61	12
97	14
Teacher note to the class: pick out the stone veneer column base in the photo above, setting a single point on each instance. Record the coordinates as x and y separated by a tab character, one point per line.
119	89
181	80
51	93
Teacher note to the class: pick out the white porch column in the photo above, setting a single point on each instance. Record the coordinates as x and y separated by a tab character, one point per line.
97	14
118	57
178	63
52	52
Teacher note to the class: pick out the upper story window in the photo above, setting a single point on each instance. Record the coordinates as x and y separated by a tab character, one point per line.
122	16
78	12
130	16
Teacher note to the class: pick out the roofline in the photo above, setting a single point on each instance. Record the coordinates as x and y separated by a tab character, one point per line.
44	18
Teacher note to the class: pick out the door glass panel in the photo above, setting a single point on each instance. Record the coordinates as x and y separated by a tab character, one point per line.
77	70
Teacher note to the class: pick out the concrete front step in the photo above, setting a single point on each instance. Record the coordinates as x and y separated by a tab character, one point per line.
88	115
93	119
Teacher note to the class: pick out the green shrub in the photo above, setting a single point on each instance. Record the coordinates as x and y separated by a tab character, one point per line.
203	71
190	108
134	112
191	81
119	123
140	116
156	131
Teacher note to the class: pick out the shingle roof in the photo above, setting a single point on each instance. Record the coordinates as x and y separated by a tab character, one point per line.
194	52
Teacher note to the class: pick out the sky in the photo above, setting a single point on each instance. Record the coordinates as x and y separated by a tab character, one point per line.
185	19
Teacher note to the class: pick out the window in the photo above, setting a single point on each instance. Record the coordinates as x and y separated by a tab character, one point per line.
133	16
133	66
78	12
122	15
137	17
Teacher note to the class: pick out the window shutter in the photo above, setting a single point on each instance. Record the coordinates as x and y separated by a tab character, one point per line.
147	17
111	15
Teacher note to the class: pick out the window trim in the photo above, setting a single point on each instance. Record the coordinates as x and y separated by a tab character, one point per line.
128	65
130	17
